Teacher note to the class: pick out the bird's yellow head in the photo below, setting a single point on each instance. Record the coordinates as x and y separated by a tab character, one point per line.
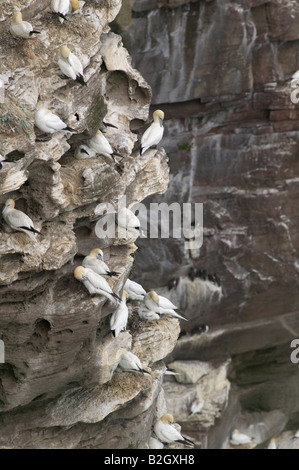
75	4
99	132
158	116
9	203
125	295
96	253
64	52
79	273
154	296
168	418
17	17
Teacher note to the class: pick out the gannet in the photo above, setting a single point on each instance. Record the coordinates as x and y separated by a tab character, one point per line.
154	133
196	407
239	438
155	443
119	318
167	433
94	283
49	122
125	218
135	290
170	371
17	220
147	315
100	145
77	6
21	29
70	65
2	159
161	305
272	444
83	151
60	8
131	363
95	261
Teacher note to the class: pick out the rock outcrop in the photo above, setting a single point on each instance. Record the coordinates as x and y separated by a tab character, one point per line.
58	384
221	71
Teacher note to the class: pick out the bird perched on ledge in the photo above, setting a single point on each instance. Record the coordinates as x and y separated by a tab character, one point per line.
154	133
119	318
131	363
18	220
161	305
70	65
100	145
49	122
60	8
21	29
167	433
95	261
135	290
94	283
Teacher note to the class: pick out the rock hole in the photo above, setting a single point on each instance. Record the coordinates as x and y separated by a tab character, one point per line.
77	116
40	336
14	156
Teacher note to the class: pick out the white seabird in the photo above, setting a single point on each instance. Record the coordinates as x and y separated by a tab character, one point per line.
60	8
100	145
155	443
135	290
94	283
125	218
95	261
49	122
196	407
119	318
147	315
154	133
238	438
167	433
272	444
131	363
2	159
83	151
70	65
17	220
161	305
21	29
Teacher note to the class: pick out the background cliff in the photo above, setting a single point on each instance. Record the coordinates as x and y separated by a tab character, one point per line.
58	384
221	71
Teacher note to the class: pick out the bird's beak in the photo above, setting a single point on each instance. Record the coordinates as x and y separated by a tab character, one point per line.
161	121
84	277
100	256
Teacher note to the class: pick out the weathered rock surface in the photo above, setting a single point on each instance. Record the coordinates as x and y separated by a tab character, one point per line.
221	71
59	387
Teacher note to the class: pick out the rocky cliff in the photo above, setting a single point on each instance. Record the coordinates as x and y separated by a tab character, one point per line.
221	71
58	384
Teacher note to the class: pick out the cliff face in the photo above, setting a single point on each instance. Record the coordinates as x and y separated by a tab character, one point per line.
221	71
58	384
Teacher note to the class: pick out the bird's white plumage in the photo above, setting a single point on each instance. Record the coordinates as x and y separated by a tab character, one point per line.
127	219
130	362
154	305
69	63
19	28
196	407
96	263
155	443
166	432
100	145
147	315
2	158
17	219
95	284
83	151
119	318
238	438
48	122
135	290
153	133
60	6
